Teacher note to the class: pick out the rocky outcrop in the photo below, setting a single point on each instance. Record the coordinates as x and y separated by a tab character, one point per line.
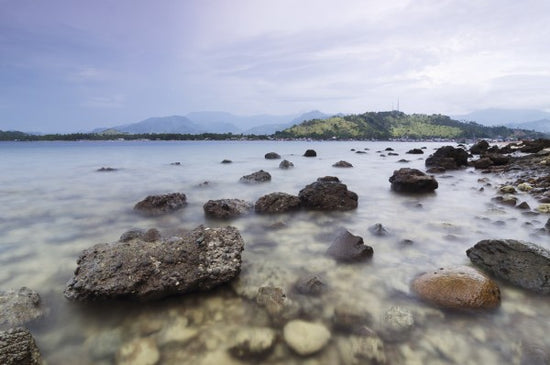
272	156
226	208
17	347
197	260
342	164
408	180
310	153
256	177
415	151
306	338
521	263
461	288
18	307
285	164
328	193
277	203
479	148
155	205
448	157
349	248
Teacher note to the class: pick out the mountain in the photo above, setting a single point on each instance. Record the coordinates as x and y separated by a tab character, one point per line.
172	124
542	125
394	124
496	116
268	129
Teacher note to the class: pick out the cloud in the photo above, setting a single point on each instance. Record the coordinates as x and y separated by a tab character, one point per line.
116	101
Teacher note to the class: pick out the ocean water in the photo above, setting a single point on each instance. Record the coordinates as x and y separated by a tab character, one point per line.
54	203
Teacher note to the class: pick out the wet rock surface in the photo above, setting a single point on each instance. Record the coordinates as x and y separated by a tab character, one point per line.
18	307
522	263
272	156
226	208
349	248
313	285
17	347
277	203
448	158
480	147
408	180
310	153
328	193
286	164
198	260
155	205
343	164
461	288
256	177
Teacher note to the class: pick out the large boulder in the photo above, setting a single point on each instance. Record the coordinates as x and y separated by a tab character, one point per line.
256	177
521	263
479	148
349	248
328	193
272	156
226	208
285	164
462	288
277	203
18	307
161	204
448	157
17	347
197	260
310	153
415	151
407	180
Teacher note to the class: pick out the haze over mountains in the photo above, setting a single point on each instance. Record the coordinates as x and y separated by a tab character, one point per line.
529	119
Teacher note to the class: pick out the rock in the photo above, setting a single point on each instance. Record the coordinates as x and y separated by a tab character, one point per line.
521	263
310	153
253	343
409	180
360	152
342	163
448	157
507	189
482	163
544	208
155	205
272	156
349	319
141	351
328	193
306	338
547	225
507	199
523	205
397	324
355	350
349	248
310	285
404	161
177	163
226	208
462	288
177	333
272	298
498	159
393	154
285	164
256	177
535	146
415	151
199	260
17	347
18	307
106	169
378	230
525	187
480	147
277	203
226	161
131	234
388	149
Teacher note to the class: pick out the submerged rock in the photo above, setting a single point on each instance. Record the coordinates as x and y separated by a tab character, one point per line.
306	338
17	347
18	307
106	169
226	161
277	203
412	181
342	164
362	350
199	260
397	324
272	298
349	248
328	193
226	208
521	263
378	230
448	157
462	288
310	153
272	156
253	343
285	164
415	151
310	285
141	351
256	177
155	205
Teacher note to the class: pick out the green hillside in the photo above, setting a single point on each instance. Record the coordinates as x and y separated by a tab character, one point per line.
394	124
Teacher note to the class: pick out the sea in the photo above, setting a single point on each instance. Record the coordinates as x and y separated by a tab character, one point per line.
55	203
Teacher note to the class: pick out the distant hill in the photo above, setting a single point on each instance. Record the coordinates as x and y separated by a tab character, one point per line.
542	125
394	124
172	124
505	117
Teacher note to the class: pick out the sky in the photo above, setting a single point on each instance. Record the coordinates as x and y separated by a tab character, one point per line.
75	65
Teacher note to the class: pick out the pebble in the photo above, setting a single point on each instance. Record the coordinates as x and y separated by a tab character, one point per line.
306	338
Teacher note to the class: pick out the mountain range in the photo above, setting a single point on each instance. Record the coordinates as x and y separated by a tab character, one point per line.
528	119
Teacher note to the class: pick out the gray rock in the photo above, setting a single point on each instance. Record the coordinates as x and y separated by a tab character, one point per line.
277	203
272	298
349	248
18	307
397	324
226	208
272	156
378	230
200	260
362	350
415	151
408	180
226	161
482	163
351	319
521	263
155	205
448	157
342	163
253	343
310	153
310	285
328	193
17	347
106	169
286	164
256	177
480	147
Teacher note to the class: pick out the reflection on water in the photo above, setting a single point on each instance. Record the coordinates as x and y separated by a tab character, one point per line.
55	204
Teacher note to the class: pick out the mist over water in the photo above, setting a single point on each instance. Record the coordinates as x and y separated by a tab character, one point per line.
55	204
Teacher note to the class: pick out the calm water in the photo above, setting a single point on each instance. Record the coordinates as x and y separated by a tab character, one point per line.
55	204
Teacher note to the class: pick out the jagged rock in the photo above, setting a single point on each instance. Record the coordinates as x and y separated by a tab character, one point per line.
462	288
141	351
448	157
199	260
272	298
523	205
415	151
310	285
342	164
272	156
285	164
18	307
310	153
349	248
521	263
277	203
409	180
328	193
226	208
17	347
253	343
306	338
378	230
480	147
257	177
106	169
161	204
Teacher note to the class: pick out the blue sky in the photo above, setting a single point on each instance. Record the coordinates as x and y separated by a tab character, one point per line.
72	65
